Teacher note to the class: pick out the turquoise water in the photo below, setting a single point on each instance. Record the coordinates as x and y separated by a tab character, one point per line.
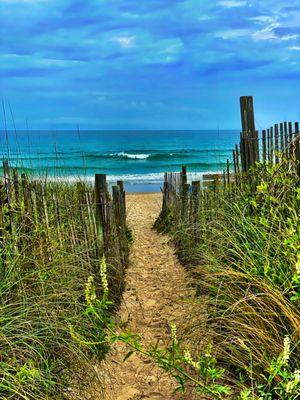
137	157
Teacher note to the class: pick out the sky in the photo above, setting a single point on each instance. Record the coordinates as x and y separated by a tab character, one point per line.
148	64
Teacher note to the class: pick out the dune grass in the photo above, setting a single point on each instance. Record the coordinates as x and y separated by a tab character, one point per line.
246	264
47	255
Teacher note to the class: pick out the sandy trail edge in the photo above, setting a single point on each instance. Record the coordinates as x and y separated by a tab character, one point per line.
154	297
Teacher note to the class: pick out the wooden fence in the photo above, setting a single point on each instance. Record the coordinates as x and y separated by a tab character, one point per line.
86	219
273	143
270	147
111	217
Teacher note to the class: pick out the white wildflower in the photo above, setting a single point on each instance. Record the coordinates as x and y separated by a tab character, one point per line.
173	328
188	359
297	376
286	349
103	275
298	265
292	385
90	295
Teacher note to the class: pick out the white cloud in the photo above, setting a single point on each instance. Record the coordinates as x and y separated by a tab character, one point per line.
264	34
269	23
295	48
125	41
232	34
267	33
233	3
288	37
263	19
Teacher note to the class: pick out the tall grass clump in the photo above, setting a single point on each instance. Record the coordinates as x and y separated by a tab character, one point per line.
246	264
49	247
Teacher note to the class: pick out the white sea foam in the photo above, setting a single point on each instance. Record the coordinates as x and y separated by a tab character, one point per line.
133	156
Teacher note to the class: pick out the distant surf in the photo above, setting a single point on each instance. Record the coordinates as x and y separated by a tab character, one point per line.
136	157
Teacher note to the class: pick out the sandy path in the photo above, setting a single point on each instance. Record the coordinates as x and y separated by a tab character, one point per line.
155	290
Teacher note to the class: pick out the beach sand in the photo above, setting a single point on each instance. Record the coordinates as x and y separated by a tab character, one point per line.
155	288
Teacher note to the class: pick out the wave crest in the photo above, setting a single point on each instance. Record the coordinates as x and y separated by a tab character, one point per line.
131	156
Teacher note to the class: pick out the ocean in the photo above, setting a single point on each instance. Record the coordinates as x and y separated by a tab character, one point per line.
138	157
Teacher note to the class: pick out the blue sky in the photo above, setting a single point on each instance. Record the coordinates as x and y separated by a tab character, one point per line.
148	64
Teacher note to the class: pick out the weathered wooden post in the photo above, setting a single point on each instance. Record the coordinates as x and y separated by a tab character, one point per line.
184	194
286	139
249	137
185	201
237	159
264	145
123	198
276	143
290	132
297	147
281	137
228	173
183	175
122	201
165	204
117	209
243	152
268	144
234	157
272	145
247	114
101	208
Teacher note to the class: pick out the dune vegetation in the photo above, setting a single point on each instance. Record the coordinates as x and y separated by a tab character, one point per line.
245	263
50	245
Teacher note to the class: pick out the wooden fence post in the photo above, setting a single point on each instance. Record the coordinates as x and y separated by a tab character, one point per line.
125	245
249	137
185	201
286	139
281	137
297	147
184	193
243	152
276	144
264	145
272	145
183	175
123	197
101	208
247	114
228	173
118	210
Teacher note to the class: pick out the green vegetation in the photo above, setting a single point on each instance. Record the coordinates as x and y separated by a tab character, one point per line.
244	260
241	247
245	263
49	248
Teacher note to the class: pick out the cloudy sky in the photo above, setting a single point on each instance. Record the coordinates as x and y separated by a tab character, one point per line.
148	64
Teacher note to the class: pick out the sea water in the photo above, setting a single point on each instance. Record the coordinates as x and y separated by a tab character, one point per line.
138	157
